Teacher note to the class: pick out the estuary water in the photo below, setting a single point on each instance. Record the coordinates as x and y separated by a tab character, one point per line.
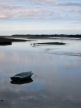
56	80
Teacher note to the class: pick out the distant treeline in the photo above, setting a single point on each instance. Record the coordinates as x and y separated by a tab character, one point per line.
47	35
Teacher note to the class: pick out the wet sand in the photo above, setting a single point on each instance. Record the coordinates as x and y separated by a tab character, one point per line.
51	43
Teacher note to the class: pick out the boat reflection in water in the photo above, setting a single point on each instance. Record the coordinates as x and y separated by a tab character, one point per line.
21	81
22	78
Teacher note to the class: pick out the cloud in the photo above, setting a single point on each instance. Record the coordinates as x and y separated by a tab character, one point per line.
54	2
13	11
40	10
2	16
69	3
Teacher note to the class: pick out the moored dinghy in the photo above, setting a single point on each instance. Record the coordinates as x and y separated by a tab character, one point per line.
22	76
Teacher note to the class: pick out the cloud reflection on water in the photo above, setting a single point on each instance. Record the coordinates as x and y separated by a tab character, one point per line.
57	80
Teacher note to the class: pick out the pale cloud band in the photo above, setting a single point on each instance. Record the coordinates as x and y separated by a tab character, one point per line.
44	16
40	9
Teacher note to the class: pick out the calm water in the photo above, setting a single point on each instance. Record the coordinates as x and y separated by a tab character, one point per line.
56	79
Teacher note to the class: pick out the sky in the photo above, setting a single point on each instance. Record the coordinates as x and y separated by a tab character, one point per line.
40	17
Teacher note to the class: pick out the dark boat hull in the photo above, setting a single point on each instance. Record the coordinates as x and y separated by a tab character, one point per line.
22	76
26	78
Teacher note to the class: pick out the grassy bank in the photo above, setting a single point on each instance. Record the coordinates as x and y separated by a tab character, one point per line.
8	41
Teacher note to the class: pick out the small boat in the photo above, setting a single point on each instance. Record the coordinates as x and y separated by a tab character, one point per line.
22	76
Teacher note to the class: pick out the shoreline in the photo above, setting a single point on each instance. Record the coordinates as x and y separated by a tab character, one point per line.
8	40
41	35
46	36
